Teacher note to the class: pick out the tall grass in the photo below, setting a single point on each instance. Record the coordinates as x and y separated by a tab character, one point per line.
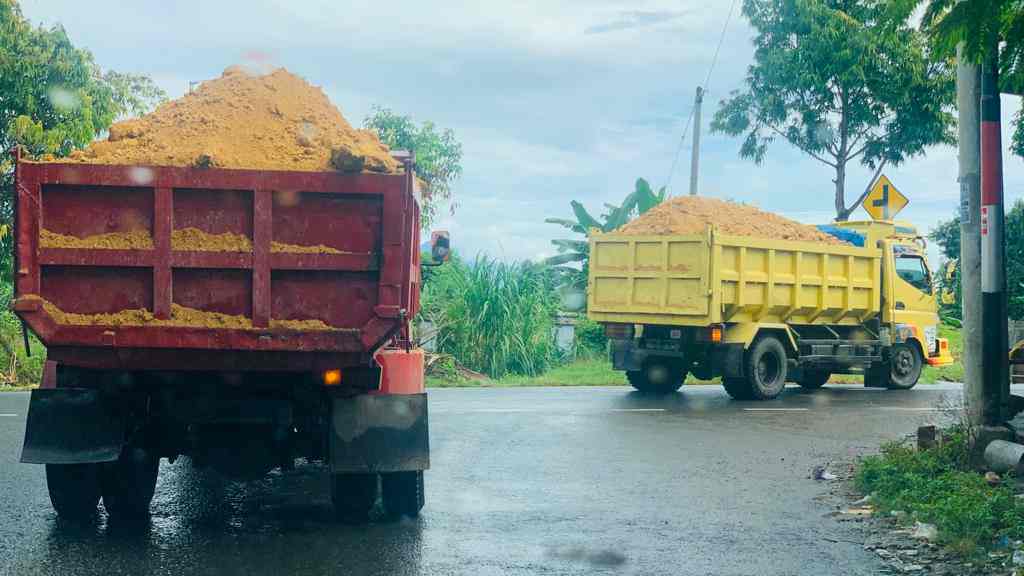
494	317
16	368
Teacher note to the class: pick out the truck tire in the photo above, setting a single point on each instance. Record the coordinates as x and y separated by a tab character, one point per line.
660	375
737	388
905	364
402	493
353	496
765	368
814	379
74	489
128	484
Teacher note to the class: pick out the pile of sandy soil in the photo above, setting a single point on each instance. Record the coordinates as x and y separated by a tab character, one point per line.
180	316
273	122
194	239
185	239
693	214
137	240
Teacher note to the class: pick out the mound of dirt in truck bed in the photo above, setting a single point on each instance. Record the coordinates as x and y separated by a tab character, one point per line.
138	240
693	214
273	122
181	316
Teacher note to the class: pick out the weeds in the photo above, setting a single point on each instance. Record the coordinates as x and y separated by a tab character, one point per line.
939	486
17	368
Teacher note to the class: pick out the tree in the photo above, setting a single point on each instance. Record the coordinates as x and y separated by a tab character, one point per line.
438	154
54	99
947	236
577	252
980	25
842	82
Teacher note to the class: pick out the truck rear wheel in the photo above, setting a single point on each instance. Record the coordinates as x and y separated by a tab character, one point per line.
353	496
74	489
737	388
765	368
402	493
658	376
814	379
128	484
905	364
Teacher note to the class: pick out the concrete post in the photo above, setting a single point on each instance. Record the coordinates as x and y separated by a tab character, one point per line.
968	90
695	159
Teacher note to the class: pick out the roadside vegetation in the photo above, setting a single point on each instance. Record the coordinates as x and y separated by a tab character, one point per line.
938	486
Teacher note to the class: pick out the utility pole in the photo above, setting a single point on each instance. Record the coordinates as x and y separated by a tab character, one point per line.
695	161
968	96
993	267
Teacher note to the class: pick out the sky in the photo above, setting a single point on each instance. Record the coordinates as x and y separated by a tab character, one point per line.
552	100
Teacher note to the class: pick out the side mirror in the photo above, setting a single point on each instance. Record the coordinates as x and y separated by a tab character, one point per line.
440	247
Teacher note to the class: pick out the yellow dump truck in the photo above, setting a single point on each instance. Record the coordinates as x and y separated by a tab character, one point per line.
760	312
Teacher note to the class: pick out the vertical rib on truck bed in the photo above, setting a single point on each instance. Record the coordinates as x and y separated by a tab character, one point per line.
361	287
697	280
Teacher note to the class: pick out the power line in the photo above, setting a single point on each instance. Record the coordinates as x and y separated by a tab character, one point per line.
707	80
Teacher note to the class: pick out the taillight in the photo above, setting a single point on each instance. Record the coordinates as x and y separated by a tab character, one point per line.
618	331
332	377
711	333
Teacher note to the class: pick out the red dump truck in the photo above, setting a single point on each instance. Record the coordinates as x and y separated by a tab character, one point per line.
241	360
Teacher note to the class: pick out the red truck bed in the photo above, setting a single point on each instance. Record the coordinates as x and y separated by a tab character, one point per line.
364	290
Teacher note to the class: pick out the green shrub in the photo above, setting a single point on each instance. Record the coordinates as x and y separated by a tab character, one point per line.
493	317
590	339
938	486
28	369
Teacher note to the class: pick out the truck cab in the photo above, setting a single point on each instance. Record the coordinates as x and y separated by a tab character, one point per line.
909	307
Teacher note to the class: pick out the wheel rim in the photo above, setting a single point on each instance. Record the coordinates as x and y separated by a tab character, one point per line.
657	374
903	363
767	369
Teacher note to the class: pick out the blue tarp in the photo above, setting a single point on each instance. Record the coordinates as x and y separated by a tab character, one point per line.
844	234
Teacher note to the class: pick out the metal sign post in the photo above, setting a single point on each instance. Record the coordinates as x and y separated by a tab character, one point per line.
995	363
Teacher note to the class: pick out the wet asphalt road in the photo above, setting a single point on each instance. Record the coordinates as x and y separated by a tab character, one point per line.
524	481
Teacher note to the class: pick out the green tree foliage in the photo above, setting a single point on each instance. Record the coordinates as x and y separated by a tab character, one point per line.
493	317
842	82
54	98
947	236
981	25
575	252
438	154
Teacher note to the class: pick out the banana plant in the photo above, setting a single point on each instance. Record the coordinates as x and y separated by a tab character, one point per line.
573	254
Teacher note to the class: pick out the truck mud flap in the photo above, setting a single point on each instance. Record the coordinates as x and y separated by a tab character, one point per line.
70	426
379	433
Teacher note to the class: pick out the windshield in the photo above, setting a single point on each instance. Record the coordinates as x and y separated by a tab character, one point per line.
913	271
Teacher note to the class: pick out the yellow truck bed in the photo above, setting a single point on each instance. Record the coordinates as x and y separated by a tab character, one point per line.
697	280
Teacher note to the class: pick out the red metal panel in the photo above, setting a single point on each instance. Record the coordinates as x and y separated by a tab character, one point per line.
162	278
224	291
341	299
229	260
96	290
262	230
371	218
345	223
95	257
214	211
27	185
81	210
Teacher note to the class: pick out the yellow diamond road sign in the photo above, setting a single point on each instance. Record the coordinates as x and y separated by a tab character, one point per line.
884	201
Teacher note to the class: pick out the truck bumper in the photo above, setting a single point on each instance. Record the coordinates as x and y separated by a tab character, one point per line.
379	433
71	426
944	357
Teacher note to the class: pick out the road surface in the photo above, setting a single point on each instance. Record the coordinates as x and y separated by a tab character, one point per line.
524	481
